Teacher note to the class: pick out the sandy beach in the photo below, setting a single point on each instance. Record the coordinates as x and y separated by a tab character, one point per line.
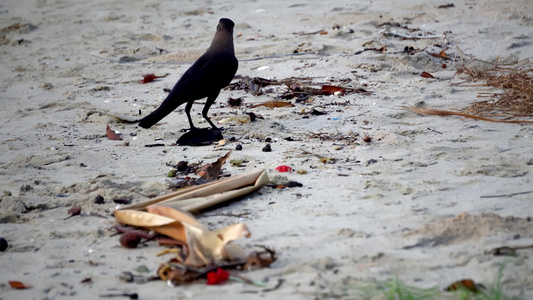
386	193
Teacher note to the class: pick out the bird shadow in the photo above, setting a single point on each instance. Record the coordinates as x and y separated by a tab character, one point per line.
200	137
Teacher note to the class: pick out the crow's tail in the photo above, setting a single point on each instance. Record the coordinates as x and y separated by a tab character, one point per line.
162	111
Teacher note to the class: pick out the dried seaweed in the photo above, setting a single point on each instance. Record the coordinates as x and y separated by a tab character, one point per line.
515	82
512	99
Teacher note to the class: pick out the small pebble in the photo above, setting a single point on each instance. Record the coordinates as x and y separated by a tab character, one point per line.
130	240
122	201
267	148
238	147
253	117
99	199
367	139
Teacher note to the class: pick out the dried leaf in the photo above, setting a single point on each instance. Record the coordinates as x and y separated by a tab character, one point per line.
177	274
19	285
195	198
141	218
332	90
426	75
234	252
468	284
112	135
206	246
274	104
74	211
439	55
203	246
151	77
148	78
211	171
176	214
260	259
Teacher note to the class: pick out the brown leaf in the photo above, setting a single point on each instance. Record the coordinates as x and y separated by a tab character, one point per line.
112	135
274	104
468	284
331	90
211	171
19	285
178	275
260	259
208	245
148	78
439	55
74	211
426	75
141	218
151	77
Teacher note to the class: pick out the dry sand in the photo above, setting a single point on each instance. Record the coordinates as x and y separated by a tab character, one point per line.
408	204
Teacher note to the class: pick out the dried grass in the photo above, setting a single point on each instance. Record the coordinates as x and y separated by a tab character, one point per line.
515	82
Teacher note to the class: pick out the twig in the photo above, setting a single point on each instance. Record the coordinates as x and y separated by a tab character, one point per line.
509	251
507	195
278	285
131	296
241	215
438	112
308	33
410	37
